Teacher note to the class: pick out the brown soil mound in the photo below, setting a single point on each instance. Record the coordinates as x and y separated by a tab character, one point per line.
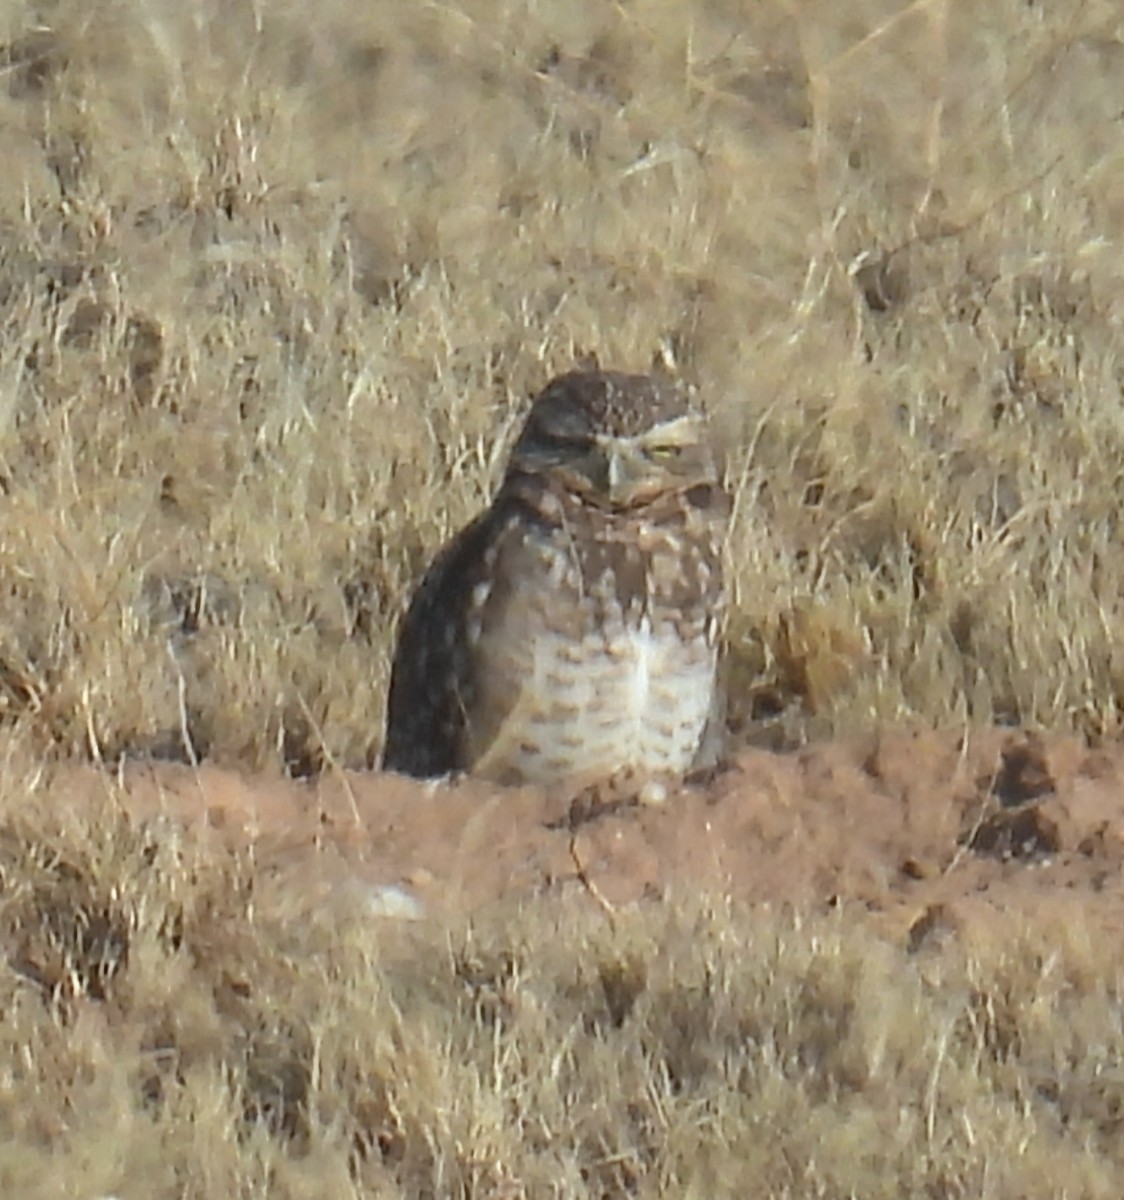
931	835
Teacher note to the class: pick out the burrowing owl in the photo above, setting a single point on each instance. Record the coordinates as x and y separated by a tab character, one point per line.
571	630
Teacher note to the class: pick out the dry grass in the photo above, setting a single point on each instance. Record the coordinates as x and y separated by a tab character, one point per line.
275	283
275	291
163	1036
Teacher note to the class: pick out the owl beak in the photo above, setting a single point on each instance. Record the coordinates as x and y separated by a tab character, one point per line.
618	474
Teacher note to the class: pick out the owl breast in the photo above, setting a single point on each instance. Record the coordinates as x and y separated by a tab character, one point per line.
638	698
603	660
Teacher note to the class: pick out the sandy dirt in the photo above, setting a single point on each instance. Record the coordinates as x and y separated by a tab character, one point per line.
929	835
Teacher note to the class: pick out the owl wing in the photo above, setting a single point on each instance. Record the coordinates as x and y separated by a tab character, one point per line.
450	693
714	745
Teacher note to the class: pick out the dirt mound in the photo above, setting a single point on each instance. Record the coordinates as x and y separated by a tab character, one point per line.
928	834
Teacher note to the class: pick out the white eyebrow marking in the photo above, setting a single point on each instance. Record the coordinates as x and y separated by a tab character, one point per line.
676	431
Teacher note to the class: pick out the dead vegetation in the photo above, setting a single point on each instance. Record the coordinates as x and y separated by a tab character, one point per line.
270	316
274	288
164	1034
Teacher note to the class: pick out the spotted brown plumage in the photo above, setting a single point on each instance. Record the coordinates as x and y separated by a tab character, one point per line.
571	630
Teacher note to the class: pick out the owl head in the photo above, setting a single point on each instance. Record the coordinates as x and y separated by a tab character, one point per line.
617	441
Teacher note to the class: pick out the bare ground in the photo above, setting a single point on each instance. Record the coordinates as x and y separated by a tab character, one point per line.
926	835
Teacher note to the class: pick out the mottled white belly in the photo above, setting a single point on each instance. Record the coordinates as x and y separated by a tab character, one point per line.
633	697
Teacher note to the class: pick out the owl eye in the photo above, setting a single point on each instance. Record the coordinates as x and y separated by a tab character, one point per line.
664	453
